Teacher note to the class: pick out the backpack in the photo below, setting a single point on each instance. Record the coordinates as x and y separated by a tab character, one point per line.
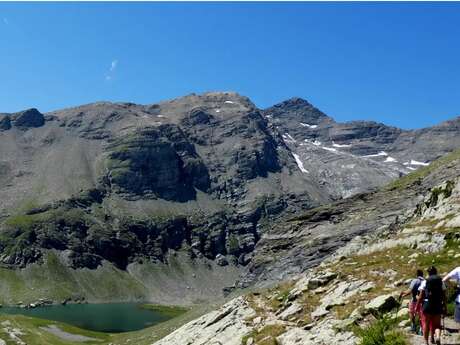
433	296
414	290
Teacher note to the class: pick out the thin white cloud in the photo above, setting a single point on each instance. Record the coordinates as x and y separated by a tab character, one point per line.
113	66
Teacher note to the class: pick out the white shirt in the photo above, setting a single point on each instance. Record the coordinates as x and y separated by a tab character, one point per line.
454	275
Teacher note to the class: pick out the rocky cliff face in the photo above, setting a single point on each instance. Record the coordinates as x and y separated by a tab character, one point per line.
126	184
348	158
210	176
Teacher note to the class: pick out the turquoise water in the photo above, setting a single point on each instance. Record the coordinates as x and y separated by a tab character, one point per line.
112	317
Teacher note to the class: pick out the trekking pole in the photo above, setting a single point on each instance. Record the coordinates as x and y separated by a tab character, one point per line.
443	327
399	306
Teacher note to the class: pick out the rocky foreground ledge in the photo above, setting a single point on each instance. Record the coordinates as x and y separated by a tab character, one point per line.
350	290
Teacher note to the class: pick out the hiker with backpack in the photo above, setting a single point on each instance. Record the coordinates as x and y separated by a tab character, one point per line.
454	275
414	292
432	299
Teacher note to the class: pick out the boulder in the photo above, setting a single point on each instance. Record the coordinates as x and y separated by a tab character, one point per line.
321	280
381	304
292	310
221	260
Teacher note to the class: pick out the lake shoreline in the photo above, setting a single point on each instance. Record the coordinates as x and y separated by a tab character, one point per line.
102	317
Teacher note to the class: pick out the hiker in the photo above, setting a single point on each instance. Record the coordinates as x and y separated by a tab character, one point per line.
432	299
414	291
454	275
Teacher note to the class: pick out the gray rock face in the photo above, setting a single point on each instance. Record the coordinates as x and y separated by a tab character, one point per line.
157	161
348	158
298	243
224	326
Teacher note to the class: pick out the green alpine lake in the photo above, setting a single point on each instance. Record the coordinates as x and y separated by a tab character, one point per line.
109	317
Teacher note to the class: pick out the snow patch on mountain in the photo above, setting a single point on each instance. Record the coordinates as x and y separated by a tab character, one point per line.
340	145
329	148
288	137
229	102
308	126
390	160
381	153
315	142
299	163
414	162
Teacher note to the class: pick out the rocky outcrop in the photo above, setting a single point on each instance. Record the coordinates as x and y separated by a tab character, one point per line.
324	333
156	162
224	326
24	120
28	119
5	123
381	304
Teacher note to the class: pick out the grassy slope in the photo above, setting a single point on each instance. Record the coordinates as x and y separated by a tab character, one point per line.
55	281
33	335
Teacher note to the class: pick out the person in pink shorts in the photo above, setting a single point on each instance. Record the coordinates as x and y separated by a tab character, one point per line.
414	292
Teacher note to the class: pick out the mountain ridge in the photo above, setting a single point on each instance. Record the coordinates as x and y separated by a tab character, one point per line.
207	177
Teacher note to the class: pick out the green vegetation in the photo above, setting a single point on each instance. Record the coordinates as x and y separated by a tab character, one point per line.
233	244
381	332
265	336
34	334
33	282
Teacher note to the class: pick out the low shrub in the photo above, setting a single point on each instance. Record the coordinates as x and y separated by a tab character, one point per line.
381	332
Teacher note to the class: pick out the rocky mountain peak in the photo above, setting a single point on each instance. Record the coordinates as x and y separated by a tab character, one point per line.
295	101
298	109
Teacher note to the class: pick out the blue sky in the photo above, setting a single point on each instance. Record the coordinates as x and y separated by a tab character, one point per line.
396	63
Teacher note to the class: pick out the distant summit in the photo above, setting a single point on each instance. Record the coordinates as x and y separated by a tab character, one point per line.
29	118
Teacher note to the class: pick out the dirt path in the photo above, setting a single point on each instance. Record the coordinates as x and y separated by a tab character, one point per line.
450	335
